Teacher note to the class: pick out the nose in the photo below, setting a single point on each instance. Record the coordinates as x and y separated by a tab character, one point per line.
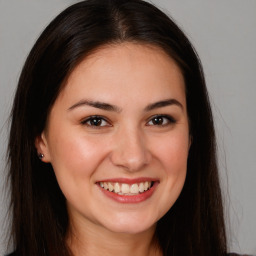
130	150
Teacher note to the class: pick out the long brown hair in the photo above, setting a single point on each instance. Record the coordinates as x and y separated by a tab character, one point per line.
195	224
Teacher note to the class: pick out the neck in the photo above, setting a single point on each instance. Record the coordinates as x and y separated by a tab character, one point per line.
95	240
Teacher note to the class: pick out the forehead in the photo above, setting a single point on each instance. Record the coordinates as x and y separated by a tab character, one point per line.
124	67
125	53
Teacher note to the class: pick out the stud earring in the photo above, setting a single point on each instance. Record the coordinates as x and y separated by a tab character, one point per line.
40	156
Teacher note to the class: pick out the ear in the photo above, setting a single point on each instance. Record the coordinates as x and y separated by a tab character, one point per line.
42	147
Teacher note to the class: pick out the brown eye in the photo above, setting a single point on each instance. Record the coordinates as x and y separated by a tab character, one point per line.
158	120
95	121
161	120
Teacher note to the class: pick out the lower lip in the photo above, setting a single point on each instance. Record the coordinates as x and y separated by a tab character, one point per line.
131	199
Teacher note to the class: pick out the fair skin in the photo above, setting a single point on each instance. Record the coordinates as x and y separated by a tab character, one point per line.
119	125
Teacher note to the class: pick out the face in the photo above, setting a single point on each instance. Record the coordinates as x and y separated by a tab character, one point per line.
118	138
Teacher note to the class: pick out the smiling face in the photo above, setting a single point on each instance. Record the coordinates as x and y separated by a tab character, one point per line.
118	138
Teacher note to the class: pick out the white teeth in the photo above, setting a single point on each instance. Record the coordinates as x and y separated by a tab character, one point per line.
126	189
141	187
116	188
105	185
134	189
146	185
110	187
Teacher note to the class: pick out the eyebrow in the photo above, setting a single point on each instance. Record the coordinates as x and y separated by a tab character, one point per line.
109	107
96	104
163	103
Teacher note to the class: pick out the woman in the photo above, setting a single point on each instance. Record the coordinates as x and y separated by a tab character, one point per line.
112	145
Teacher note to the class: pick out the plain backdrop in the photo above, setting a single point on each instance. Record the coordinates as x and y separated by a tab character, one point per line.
224	34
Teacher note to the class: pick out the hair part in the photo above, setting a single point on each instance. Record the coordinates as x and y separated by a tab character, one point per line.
195	224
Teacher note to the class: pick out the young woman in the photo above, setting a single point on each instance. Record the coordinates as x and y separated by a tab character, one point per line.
112	144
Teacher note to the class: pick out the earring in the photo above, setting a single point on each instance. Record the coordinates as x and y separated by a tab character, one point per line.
40	156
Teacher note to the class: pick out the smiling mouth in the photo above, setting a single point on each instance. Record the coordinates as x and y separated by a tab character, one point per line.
126	189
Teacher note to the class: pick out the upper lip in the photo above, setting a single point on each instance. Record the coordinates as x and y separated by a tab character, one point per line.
128	181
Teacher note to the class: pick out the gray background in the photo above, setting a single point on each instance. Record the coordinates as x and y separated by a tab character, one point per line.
224	34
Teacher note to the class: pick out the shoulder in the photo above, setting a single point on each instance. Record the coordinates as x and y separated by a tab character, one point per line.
13	254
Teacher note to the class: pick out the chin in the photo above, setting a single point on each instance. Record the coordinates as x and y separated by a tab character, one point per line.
131	225
130	229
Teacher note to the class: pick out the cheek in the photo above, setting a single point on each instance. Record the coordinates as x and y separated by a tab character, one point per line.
172	152
74	150
74	158
175	166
